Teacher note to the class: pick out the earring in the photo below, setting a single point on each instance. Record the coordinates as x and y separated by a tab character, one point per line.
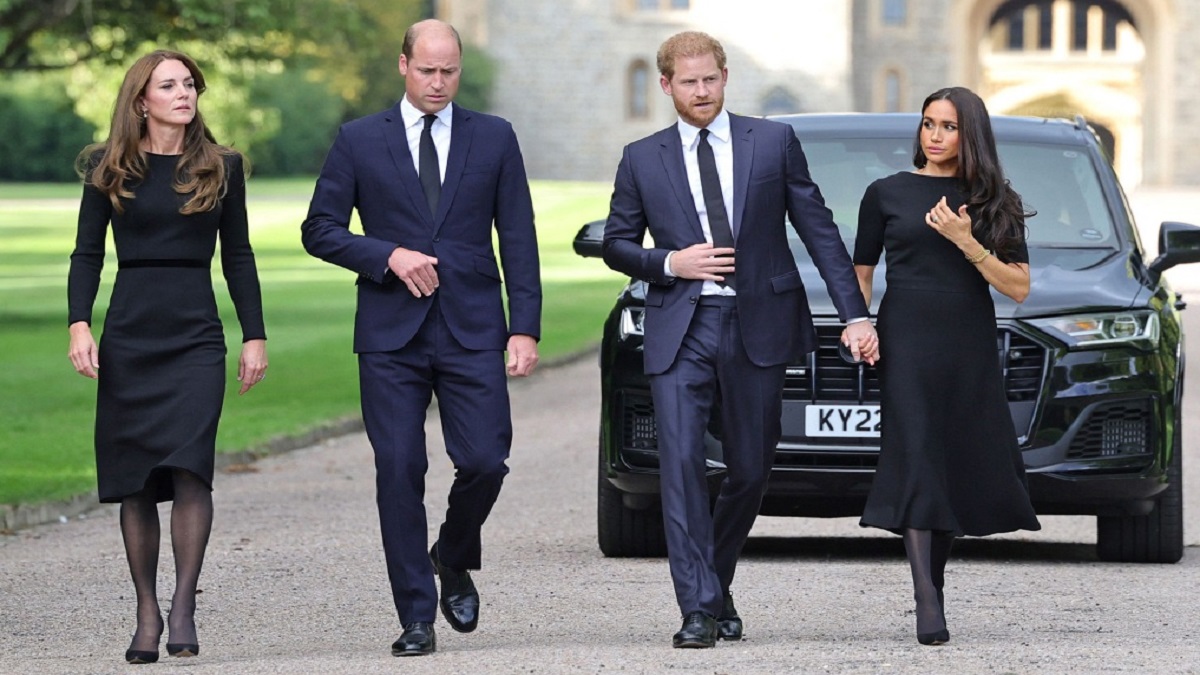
145	113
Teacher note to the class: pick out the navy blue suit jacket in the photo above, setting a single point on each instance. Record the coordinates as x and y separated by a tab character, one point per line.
370	168
771	180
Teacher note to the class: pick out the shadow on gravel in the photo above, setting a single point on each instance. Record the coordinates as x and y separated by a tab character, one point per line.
851	548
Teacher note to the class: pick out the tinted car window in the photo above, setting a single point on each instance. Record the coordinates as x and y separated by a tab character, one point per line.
1059	182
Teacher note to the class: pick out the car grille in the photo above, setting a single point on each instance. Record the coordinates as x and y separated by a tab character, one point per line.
637	422
826	378
1113	429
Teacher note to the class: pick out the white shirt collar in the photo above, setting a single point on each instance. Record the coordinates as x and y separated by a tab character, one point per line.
718	128
413	117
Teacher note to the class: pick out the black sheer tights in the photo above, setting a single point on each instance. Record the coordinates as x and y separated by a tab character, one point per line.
927	555
191	522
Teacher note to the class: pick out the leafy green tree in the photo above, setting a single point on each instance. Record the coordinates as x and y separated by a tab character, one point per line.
40	134
54	34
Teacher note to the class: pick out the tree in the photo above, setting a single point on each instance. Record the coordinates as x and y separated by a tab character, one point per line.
55	34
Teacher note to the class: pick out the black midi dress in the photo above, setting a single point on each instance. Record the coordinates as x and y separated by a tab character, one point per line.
949	460
162	352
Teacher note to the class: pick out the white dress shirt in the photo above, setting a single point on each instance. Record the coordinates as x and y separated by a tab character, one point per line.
721	139
414	123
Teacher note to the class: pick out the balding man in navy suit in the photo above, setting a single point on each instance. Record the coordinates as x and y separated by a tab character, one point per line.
431	182
726	310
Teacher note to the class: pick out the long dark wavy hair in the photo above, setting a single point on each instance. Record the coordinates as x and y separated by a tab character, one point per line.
1000	217
113	165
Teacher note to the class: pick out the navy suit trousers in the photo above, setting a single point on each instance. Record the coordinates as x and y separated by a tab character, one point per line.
712	367
472	393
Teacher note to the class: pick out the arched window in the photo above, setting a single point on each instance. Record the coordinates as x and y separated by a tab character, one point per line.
637	90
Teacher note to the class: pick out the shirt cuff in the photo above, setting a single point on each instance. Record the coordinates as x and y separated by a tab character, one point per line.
857	319
667	266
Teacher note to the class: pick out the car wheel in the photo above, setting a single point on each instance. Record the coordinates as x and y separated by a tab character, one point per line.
624	532
1156	537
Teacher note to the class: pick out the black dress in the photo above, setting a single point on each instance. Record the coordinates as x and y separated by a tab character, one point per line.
949	460
162	352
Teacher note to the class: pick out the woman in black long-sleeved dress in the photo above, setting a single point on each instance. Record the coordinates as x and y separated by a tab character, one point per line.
953	229
169	192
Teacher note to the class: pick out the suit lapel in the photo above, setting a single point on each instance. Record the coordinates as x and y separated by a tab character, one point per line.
397	142
461	131
671	151
743	158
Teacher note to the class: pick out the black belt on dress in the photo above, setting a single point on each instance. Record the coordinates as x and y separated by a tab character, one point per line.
163	262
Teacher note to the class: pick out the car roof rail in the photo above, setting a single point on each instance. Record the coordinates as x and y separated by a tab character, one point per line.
1080	123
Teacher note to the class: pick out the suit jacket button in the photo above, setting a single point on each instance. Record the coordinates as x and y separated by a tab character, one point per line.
437	239
692	299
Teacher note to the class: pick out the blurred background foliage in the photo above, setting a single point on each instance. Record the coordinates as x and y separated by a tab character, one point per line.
282	74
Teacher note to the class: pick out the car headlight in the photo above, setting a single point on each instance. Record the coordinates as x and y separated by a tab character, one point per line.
632	322
1103	329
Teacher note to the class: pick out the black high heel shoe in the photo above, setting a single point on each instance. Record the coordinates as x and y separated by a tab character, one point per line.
940	637
183	649
936	637
140	656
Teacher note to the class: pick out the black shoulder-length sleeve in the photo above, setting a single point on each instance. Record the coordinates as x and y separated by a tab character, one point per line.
868	241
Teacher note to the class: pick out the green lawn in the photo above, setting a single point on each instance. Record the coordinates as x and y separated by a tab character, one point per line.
47	411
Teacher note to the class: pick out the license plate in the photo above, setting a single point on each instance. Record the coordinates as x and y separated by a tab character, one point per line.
841	421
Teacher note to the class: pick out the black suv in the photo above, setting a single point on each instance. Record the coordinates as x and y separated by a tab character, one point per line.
1093	360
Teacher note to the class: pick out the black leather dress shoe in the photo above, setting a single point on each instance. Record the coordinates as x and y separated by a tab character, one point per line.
459	599
418	638
729	624
699	631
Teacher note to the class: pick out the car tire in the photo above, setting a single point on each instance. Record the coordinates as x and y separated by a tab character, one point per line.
624	532
1156	537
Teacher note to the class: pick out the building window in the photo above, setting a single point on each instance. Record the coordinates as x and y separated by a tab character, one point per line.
1027	25
638	90
895	12
1045	26
681	4
891	92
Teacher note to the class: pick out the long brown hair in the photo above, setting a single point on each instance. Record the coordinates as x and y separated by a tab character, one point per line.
111	166
1001	216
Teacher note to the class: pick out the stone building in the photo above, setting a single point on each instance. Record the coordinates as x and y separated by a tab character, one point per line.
577	78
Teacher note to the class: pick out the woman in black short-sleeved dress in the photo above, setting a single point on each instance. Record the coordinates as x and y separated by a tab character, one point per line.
169	192
949	463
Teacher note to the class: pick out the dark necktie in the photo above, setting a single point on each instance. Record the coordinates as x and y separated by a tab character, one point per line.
714	202
431	175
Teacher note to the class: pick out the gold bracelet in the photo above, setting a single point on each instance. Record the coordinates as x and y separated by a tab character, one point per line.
978	257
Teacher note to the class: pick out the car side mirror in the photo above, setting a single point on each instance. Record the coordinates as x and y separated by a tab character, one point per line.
1178	244
589	243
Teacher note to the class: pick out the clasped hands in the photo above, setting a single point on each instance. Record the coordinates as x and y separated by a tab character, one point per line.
862	341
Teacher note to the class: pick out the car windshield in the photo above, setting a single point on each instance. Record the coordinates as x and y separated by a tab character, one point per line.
1057	181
